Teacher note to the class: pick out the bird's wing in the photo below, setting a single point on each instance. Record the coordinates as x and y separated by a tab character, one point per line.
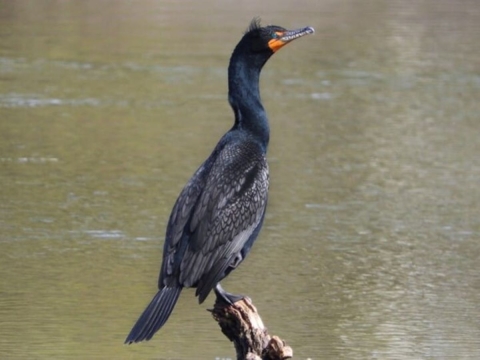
177	234
227	212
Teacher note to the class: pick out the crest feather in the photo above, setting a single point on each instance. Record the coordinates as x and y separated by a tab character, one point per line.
254	24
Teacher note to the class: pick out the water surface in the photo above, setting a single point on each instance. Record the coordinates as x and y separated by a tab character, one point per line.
370	247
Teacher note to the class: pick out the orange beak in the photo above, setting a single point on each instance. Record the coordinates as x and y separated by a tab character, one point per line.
283	38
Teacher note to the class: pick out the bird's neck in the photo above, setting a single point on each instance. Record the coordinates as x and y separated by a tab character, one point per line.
244	98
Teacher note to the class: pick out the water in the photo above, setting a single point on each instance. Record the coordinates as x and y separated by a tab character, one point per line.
370	246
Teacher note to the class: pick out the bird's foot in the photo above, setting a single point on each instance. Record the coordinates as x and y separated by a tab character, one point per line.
226	297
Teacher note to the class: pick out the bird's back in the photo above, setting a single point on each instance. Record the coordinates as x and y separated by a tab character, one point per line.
216	214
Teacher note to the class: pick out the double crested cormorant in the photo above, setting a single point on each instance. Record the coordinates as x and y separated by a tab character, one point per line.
220	211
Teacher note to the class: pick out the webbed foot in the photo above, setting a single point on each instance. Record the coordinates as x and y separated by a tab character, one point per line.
226	297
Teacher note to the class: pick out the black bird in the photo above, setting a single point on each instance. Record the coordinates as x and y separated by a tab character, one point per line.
220	211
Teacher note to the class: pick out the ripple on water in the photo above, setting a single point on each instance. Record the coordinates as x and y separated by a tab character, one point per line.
23	160
14	100
106	234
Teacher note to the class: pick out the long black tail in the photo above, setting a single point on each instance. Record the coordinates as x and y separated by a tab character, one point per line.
155	315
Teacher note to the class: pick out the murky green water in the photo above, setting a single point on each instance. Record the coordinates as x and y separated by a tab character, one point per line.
370	248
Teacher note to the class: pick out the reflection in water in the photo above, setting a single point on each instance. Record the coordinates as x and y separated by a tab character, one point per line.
107	109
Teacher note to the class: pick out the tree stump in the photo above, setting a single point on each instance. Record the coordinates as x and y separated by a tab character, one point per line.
241	324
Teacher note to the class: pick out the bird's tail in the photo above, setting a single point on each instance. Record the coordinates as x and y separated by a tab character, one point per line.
155	315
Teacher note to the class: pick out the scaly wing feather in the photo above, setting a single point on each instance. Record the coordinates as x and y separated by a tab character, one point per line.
227	212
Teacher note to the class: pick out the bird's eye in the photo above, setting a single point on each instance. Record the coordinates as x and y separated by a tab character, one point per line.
277	34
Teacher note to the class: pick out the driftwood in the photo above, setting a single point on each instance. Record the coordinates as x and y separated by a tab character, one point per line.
242	325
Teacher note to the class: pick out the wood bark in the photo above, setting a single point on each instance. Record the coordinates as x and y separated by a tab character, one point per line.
241	324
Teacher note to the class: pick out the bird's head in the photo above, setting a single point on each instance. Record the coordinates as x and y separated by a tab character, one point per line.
271	38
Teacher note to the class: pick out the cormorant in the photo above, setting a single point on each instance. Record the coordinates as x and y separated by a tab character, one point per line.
220	211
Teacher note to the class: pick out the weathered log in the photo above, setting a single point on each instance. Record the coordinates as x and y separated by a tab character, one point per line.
242	325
